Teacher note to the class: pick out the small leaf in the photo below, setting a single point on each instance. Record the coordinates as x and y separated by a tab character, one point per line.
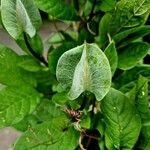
132	54
84	68
107	5
36	44
123	124
60	98
20	16
61	36
16	103
87	8
104	29
57	9
112	56
52	135
85	122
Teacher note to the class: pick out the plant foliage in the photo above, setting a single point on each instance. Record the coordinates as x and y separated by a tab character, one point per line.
90	90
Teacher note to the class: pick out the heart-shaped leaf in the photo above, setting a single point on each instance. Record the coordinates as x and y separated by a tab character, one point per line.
84	68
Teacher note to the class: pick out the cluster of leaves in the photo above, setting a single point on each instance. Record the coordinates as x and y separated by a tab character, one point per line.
91	92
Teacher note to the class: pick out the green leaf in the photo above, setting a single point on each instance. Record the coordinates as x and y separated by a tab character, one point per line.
129	56
85	122
16	103
112	56
104	29
60	98
56	38
132	75
57	9
27	122
142	96
36	44
30	64
55	54
141	7
52	135
61	36
144	140
125	16
87	7
107	5
11	73
123	124
20	16
84	68
130	91
47	110
131	34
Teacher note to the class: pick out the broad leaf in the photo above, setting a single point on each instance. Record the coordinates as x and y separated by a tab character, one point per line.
123	124
112	56
20	16
51	135
129	35
16	103
125	16
130	55
84	68
57	9
11	73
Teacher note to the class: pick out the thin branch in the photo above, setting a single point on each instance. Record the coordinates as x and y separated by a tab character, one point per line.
80	143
